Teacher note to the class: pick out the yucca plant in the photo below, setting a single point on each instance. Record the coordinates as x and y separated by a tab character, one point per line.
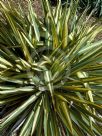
50	72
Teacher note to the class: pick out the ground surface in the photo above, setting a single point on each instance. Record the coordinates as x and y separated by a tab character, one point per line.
36	4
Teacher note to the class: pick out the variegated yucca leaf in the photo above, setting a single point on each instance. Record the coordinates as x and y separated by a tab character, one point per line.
50	72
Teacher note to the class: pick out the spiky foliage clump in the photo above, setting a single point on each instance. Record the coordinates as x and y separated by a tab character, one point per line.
50	72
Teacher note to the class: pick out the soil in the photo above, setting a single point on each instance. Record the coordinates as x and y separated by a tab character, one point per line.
36	5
